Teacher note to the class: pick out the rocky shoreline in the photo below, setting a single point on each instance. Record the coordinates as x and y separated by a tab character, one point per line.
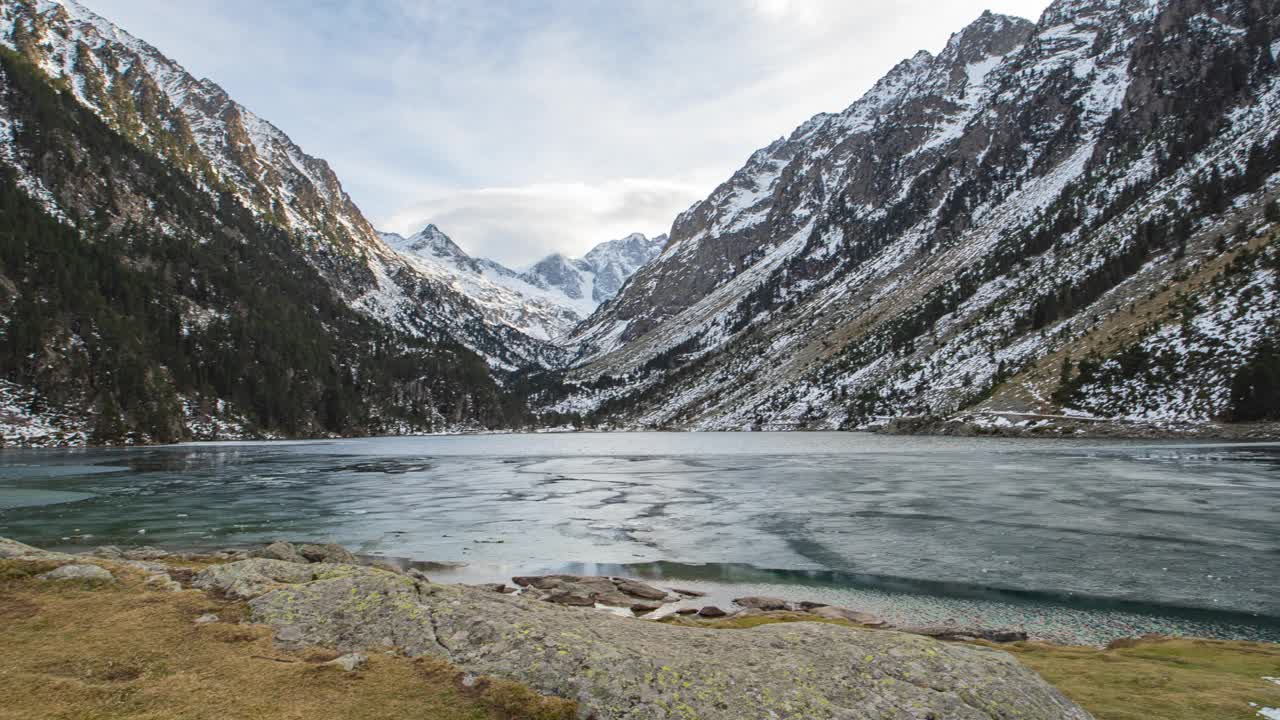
1004	425
542	633
1031	425
617	594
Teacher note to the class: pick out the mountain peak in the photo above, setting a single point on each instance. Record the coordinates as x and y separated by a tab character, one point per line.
599	274
428	242
992	34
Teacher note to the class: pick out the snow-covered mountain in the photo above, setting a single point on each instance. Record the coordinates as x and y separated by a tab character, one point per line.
546	301
1071	216
195	126
1074	217
597	276
176	267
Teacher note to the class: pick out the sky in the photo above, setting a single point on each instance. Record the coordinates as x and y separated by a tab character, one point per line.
527	127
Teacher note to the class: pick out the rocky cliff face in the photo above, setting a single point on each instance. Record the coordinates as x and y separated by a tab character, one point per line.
1045	218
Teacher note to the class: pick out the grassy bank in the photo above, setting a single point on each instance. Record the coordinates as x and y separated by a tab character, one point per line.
1167	679
78	650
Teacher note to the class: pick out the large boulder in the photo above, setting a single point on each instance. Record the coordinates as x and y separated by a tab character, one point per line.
625	669
328	553
365	609
92	573
566	597
635	588
250	578
279	550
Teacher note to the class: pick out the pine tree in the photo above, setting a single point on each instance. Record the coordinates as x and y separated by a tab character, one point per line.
1255	390
109	427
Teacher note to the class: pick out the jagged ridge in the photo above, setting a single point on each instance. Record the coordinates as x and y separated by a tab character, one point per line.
1033	194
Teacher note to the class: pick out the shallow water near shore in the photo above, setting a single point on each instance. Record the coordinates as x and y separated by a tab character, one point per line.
1073	540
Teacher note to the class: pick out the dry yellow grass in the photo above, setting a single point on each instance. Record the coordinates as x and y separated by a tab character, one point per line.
80	651
1162	679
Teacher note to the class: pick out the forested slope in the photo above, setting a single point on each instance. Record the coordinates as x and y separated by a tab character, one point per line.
148	309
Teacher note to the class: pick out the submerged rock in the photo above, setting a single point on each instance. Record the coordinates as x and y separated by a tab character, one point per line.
619	668
578	589
756	602
635	588
1003	636
79	572
832	612
950	632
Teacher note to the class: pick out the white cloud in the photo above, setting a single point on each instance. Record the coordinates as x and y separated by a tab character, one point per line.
450	109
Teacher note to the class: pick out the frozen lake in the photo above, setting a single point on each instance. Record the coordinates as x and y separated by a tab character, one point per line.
1118	535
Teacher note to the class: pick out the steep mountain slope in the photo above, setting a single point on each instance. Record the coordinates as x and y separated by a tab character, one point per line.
135	306
1069	216
545	302
194	125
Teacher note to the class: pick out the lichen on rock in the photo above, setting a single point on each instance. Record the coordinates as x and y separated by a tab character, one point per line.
91	573
627	669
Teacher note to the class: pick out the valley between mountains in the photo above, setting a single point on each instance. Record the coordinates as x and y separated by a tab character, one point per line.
1066	225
